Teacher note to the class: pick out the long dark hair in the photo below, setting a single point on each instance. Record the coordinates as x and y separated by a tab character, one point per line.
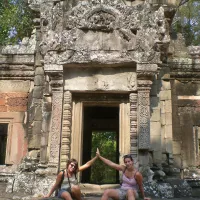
128	156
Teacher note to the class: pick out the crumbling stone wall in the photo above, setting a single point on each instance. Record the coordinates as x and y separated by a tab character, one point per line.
184	75
16	84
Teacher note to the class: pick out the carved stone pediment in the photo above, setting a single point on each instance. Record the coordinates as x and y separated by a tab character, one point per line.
103	32
101	18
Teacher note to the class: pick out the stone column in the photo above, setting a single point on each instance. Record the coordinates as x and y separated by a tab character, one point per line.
66	129
145	73
144	114
55	73
133	126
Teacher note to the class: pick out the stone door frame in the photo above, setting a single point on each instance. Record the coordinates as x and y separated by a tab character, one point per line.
72	130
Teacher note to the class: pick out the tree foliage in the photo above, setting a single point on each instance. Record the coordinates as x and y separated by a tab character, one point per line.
16	21
187	21
106	142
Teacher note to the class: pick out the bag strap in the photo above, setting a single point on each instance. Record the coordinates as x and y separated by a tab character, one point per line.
63	175
68	180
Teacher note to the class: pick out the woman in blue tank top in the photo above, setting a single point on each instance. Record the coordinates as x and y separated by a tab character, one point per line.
131	181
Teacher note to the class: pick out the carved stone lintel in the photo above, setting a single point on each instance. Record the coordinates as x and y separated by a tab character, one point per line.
144	114
133	125
66	129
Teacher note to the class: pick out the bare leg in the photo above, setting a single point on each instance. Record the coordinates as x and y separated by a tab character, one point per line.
66	196
76	192
131	195
110	193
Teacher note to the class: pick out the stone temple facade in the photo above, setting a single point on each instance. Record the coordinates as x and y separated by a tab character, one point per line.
83	55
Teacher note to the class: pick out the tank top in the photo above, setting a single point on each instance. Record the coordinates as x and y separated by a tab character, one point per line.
73	181
129	183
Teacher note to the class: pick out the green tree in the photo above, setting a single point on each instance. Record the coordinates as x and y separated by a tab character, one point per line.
106	142
16	21
187	21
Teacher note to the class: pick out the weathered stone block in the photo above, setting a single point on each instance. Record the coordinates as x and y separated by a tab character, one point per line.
17	117
168	119
17	101
14	86
168	130
155	129
163	119
105	79
177	147
17	108
168	106
178	161
168	145
165	85
162	107
165	95
157	154
17	94
2	101
155	115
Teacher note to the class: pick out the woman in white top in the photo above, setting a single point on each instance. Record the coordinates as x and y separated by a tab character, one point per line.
67	181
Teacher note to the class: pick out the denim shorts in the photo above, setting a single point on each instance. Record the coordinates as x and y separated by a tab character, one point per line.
64	190
122	194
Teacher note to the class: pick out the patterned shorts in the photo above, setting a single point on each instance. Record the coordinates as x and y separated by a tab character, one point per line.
122	194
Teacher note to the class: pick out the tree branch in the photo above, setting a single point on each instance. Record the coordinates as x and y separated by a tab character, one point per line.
182	2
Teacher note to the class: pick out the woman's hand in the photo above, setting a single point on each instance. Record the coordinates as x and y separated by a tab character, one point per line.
97	153
46	196
147	198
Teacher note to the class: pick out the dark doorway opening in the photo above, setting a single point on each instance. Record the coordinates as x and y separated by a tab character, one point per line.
101	129
3	142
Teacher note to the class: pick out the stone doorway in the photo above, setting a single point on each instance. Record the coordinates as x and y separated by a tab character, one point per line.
100	129
3	142
72	141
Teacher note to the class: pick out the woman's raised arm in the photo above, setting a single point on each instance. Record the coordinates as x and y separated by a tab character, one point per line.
110	163
87	164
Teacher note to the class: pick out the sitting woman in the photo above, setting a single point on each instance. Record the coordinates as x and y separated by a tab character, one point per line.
67	180
131	180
